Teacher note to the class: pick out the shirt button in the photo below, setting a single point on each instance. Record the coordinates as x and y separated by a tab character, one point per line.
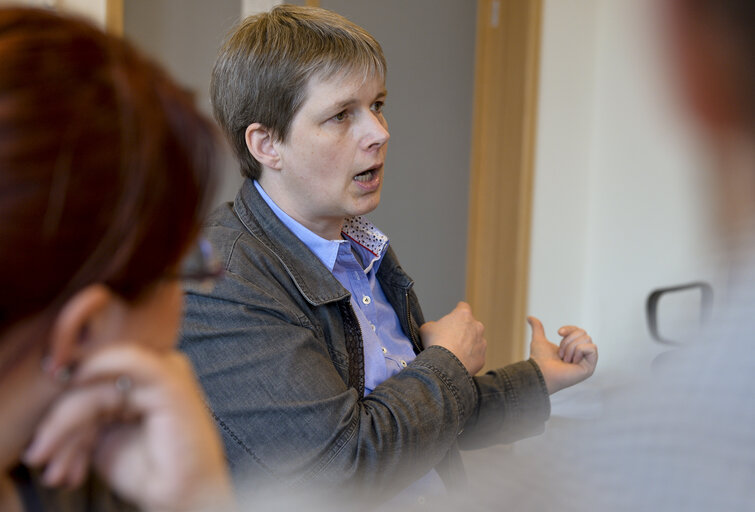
373	327
403	363
366	300
385	350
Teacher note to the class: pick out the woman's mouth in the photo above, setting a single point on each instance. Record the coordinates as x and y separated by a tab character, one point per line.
369	180
366	176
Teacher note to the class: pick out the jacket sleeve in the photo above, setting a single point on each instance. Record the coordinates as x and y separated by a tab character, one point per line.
513	403
277	392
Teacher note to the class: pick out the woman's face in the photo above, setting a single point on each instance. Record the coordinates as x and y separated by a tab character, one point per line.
152	321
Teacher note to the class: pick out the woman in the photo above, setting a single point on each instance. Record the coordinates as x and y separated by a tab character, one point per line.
104	175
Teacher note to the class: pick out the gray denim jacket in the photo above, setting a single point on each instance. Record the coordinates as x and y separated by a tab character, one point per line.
278	351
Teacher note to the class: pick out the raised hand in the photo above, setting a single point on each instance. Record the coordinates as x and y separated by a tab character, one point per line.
564	365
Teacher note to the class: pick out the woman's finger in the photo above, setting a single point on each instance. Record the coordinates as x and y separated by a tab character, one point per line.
79	409
587	352
570	338
141	364
570	348
79	468
67	464
566	330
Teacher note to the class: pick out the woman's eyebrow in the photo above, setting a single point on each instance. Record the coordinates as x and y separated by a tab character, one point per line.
340	105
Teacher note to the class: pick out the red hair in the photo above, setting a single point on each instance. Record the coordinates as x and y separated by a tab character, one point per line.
105	164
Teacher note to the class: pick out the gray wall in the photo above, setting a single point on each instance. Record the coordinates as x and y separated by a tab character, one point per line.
429	45
185	36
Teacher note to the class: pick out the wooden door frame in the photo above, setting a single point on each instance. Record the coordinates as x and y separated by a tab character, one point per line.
114	17
501	171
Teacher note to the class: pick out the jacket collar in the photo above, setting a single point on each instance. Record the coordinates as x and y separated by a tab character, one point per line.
313	279
315	282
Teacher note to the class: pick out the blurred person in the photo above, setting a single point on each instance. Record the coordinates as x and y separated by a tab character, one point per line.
684	440
105	171
312	349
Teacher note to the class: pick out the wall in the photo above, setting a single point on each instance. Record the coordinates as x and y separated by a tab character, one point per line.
94	10
620	204
429	46
185	36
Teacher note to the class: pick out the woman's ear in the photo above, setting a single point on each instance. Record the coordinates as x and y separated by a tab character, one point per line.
74	326
261	144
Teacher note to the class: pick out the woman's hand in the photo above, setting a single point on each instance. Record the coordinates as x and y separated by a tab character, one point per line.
460	333
566	364
138	417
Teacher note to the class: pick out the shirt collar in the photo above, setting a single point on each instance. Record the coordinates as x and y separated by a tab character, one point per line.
367	238
362	234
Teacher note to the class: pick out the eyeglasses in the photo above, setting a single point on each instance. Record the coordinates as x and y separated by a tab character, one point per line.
200	265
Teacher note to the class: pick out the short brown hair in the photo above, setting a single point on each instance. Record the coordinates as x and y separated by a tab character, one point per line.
105	165
263	69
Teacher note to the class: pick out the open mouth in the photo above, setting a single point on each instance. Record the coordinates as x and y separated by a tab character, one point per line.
368	175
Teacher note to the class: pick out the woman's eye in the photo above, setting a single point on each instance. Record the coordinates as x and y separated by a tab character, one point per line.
341	116
378	106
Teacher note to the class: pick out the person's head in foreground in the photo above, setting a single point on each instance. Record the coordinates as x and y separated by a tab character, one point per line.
105	170
713	48
299	92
